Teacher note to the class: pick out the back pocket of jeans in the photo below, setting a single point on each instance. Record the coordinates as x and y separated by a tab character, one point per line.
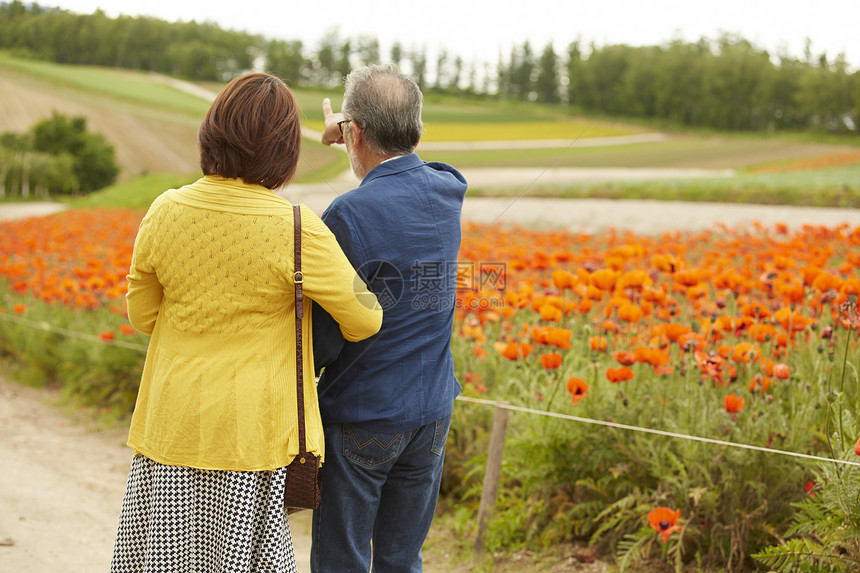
370	449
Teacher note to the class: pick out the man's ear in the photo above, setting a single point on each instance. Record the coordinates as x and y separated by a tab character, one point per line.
357	133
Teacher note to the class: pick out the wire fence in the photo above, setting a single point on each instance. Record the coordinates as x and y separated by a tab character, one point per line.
44	326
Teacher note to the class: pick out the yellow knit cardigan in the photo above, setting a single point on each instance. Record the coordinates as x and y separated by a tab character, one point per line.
211	282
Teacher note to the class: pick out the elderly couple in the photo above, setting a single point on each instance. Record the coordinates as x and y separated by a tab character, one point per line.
211	281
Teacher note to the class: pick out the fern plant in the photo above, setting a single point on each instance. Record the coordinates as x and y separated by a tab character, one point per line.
825	537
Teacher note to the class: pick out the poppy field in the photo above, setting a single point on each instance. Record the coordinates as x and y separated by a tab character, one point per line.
743	336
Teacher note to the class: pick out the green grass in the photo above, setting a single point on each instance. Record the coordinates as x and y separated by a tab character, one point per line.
449	118
136	193
838	188
139	192
127	85
721	152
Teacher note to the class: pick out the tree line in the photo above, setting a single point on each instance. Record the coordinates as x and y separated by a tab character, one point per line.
723	83
56	156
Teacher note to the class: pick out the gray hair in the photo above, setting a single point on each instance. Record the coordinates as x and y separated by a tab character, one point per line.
386	104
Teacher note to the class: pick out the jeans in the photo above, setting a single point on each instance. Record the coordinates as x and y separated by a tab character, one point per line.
379	494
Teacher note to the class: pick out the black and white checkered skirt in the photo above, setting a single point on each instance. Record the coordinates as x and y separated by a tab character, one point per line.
184	520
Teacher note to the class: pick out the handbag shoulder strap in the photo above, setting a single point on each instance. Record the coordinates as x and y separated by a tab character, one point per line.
300	312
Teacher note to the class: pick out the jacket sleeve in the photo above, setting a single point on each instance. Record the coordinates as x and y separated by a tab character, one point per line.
331	281
144	290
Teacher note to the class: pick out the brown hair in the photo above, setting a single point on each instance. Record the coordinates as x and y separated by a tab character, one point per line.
252	132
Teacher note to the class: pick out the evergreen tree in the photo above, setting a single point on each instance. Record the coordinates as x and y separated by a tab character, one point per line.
547	84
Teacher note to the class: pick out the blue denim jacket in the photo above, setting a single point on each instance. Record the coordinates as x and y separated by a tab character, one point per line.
401	230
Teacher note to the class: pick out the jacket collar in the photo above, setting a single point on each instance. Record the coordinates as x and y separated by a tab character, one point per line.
396	165
232	195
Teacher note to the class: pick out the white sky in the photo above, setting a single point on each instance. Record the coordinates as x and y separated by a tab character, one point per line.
480	30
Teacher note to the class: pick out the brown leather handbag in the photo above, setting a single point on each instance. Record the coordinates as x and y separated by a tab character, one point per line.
302	488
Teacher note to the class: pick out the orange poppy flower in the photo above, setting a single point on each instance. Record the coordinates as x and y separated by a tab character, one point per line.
781	371
598	343
733	403
624	357
513	350
746	352
654	295
630	313
761	332
635	279
525	349
550	313
558	337
674	331
666	263
550	360
653	356
604	279
857	447
688	278
106	336
127	329
713	366
809	274
825	281
760	382
793	319
616	375
19	308
755	310
577	388
664	520
563	279
539	334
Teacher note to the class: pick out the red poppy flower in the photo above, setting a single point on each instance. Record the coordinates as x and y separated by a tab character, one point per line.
513	350
624	357
733	404
663	520
106	335
619	374
857	447
577	388
550	360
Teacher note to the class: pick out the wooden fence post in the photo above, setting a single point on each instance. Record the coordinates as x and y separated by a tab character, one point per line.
491	478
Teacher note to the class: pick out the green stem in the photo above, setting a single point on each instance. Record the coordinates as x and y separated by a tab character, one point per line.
842	384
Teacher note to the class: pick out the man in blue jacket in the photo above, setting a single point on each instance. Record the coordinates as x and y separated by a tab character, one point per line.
386	402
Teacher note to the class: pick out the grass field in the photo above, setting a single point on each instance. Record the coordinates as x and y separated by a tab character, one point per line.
153	125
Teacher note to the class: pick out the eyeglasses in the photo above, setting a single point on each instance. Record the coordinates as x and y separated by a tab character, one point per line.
340	124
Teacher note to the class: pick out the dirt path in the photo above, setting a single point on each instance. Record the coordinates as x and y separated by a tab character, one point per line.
62	485
596	215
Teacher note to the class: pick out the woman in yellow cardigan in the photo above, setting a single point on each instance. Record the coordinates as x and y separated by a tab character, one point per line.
211	281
